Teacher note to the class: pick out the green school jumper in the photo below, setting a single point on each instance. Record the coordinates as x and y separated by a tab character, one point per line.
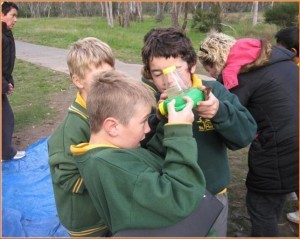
135	188
232	127
74	205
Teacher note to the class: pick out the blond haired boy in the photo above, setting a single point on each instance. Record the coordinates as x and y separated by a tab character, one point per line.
133	187
87	57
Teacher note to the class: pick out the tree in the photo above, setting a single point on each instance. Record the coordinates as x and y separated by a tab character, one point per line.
205	20
283	14
109	15
186	8
125	22
255	13
175	14
160	11
139	8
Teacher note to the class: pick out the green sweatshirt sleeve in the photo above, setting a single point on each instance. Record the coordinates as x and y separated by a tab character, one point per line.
64	171
175	191
233	121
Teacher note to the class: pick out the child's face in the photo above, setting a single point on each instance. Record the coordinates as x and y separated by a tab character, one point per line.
10	18
159	63
211	70
133	133
89	75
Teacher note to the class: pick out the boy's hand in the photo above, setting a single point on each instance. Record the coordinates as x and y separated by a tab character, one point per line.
184	116
163	97
10	89
208	108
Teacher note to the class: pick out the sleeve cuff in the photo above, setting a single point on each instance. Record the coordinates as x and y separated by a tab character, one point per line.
178	130
221	114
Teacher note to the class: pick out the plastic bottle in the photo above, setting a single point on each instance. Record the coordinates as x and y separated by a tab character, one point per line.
175	83
177	88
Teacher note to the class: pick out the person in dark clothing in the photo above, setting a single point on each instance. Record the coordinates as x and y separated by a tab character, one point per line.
289	38
266	82
9	19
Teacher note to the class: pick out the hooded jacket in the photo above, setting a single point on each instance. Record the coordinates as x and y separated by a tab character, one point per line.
271	95
8	57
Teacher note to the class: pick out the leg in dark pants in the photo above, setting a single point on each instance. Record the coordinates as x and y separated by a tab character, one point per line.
8	122
265	211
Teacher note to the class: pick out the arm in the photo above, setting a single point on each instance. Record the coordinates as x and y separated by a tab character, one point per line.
175	191
231	120
64	171
132	193
7	79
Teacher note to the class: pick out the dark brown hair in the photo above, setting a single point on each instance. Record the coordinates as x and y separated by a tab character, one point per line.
167	42
7	6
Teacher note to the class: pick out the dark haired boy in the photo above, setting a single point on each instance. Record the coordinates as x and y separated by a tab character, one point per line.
289	39
220	122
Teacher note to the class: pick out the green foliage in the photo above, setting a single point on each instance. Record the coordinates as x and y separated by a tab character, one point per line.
206	20
283	14
34	87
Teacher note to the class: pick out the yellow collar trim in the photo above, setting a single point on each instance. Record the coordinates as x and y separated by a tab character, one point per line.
196	81
80	101
85	147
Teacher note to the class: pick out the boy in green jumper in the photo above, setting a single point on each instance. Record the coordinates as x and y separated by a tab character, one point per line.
221	122
132	187
75	209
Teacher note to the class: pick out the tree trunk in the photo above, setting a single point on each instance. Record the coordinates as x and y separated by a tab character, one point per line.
109	16
159	11
102	12
62	9
186	7
174	15
255	13
140	11
126	14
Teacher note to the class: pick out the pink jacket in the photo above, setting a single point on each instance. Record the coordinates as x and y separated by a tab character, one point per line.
243	52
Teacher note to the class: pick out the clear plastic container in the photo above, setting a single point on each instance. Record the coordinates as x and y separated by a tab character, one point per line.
175	83
177	88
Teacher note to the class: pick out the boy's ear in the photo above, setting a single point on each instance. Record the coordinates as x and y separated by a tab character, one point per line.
77	82
110	126
294	51
193	69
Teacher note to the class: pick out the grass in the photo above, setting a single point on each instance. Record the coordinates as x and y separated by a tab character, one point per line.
33	89
125	42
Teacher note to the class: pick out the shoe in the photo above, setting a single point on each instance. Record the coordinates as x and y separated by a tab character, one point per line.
292	197
19	155
293	217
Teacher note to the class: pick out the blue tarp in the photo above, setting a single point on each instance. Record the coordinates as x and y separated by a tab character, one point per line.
28	206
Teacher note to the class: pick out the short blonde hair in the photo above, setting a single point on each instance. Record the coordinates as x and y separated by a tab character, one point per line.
214	50
86	52
114	94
